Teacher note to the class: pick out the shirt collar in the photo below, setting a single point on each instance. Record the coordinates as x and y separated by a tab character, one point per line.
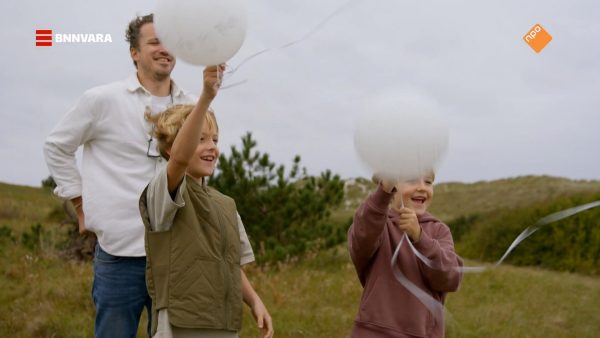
133	84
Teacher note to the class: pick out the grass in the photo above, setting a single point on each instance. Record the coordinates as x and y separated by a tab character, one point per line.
453	199
22	206
525	302
319	296
42	295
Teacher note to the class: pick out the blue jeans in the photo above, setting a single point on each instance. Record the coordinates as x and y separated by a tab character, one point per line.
120	295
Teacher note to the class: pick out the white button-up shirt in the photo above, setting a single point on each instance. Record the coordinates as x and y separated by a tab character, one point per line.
109	122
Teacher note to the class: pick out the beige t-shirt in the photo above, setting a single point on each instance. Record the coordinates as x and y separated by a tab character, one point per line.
161	211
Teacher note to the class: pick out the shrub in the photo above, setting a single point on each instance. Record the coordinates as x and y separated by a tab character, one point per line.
571	244
284	212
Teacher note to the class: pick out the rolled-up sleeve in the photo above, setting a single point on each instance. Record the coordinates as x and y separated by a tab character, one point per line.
247	255
162	208
75	129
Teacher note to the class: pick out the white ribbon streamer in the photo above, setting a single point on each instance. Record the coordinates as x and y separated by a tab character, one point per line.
437	308
289	44
557	216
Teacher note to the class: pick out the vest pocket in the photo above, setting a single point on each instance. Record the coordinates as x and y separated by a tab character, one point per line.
197	294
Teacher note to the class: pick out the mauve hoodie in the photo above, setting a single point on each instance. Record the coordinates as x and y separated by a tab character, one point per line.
388	309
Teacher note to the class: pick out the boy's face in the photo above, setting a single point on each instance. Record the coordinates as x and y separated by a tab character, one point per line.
204	161
417	194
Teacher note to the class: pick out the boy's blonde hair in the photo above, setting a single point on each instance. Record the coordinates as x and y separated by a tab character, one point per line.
166	125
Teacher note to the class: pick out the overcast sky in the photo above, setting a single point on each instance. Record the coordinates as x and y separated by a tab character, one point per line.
511	111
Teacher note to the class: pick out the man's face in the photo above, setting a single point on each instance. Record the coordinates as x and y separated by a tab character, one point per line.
152	58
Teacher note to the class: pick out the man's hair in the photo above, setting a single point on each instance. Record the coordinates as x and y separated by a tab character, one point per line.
167	124
132	34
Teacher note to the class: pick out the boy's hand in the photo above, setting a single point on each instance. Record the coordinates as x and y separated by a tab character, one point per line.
213	76
387	185
408	222
263	319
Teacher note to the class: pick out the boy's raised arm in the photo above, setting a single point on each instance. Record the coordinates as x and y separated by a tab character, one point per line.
364	235
187	138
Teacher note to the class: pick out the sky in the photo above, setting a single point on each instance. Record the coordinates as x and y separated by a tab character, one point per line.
510	111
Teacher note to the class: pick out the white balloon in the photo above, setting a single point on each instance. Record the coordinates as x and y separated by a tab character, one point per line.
401	135
201	32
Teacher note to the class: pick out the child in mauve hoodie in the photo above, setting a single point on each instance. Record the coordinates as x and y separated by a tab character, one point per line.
387	309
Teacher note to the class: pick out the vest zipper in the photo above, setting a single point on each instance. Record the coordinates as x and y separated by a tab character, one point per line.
225	268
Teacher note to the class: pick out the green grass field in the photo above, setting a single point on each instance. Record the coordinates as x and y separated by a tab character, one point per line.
44	295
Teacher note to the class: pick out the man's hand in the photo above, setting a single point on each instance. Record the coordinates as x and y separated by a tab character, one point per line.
78	206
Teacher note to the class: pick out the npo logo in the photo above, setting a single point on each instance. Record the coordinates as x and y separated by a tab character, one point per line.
45	37
537	38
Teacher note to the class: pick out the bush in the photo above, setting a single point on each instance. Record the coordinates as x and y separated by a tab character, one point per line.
32	240
571	244
462	225
49	183
6	234
285	212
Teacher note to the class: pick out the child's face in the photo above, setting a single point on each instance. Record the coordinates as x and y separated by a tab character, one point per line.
417	194
204	161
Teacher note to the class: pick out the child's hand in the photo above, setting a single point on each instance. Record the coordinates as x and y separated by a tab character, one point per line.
263	319
408	222
213	76
387	185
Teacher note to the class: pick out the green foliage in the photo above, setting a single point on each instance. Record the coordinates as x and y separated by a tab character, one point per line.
462	225
6	234
56	214
40	240
22	206
285	212
32	239
572	244
49	183
452	200
44	295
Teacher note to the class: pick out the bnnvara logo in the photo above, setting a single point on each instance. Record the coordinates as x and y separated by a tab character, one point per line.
45	38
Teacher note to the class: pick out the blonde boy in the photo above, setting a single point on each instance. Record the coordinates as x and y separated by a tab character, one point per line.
195	241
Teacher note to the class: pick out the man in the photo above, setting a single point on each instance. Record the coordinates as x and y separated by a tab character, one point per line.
119	159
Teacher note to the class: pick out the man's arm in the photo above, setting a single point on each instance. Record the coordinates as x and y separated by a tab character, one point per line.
73	130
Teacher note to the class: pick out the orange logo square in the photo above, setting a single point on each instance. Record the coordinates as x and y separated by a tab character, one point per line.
537	38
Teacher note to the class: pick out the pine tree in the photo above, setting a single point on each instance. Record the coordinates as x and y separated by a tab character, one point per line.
284	212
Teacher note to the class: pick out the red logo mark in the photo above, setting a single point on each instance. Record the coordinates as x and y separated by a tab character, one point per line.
43	37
